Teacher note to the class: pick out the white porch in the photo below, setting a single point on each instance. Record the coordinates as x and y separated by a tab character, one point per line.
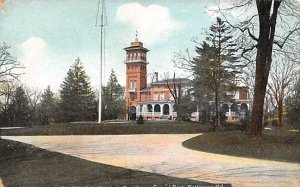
156	109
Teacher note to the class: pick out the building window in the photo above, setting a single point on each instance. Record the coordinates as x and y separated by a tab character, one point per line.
136	56
133	85
157	108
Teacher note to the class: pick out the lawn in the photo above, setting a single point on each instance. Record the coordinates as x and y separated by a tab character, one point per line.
109	129
25	165
279	146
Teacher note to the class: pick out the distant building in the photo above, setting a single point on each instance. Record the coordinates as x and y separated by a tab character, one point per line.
153	100
236	106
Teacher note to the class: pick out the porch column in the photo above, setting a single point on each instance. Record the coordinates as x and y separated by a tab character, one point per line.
170	109
161	109
152	109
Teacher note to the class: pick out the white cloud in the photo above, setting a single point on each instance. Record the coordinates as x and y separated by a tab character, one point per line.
153	23
39	69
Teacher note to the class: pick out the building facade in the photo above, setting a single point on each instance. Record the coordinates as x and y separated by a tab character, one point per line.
154	100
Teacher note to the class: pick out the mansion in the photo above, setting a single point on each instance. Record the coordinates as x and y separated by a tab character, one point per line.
154	100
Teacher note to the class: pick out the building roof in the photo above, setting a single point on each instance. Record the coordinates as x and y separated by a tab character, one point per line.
170	81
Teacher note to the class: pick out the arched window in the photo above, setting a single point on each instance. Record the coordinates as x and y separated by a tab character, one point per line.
149	108
244	107
166	109
132	56
234	108
157	108
136	56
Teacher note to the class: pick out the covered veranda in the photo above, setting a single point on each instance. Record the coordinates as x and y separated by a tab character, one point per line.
152	110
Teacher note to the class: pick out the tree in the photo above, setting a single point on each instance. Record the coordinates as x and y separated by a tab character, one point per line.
19	111
77	97
267	13
33	97
216	66
281	79
8	65
113	101
293	105
7	91
46	109
176	91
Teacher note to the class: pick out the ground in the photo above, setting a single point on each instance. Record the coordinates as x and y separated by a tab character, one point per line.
279	146
25	165
23	162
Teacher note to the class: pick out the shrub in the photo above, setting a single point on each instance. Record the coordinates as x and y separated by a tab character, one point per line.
140	120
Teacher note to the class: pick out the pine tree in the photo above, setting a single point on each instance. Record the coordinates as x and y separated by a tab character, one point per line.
113	102
46	109
19	109
77	97
216	67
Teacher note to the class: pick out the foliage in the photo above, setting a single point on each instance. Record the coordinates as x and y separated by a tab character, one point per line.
18	109
216	66
113	103
46	109
140	120
7	90
293	106
77	98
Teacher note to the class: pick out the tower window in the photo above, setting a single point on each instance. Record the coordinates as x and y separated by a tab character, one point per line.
132	56
136	56
133	85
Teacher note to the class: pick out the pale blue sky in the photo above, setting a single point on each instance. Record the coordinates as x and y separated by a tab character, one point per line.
47	36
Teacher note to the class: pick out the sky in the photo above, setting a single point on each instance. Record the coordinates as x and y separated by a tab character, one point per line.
47	36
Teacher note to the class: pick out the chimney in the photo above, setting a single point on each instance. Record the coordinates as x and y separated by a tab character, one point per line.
156	76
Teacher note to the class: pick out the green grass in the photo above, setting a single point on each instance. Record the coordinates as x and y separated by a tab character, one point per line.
25	165
107	129
279	146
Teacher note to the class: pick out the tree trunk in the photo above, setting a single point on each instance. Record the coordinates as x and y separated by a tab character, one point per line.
261	79
280	113
267	25
217	116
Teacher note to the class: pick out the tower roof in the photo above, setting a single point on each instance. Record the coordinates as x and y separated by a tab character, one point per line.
136	45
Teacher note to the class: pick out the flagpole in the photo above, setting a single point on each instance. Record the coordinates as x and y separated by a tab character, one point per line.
101	59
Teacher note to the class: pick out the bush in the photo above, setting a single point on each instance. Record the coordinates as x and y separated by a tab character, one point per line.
140	120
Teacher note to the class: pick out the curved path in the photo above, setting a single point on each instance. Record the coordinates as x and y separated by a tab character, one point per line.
164	154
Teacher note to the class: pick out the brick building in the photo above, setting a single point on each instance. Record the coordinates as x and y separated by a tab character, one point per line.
153	100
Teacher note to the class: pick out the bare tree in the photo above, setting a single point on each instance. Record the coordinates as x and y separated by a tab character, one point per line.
176	91
33	97
8	65
7	91
280	83
274	25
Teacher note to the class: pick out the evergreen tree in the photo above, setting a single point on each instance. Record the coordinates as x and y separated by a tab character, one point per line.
216	67
19	109
46	109
77	97
113	103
